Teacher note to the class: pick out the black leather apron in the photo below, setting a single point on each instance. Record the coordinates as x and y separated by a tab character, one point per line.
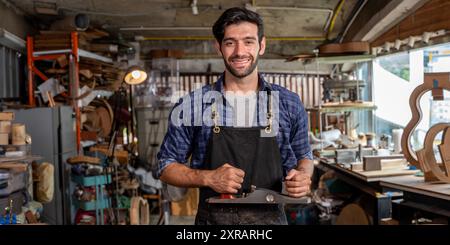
259	157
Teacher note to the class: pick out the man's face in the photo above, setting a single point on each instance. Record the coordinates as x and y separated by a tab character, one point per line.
240	48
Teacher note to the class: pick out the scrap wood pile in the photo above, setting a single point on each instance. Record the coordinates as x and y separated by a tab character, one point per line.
98	76
93	73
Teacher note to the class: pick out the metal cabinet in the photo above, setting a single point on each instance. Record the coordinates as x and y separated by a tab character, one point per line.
54	138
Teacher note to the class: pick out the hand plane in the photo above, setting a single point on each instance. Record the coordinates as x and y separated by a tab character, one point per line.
260	196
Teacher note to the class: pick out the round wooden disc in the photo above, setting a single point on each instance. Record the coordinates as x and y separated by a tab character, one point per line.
105	121
352	214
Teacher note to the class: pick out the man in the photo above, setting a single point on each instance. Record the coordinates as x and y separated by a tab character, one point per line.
234	159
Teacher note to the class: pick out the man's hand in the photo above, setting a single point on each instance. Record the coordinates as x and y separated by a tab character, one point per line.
226	179
298	183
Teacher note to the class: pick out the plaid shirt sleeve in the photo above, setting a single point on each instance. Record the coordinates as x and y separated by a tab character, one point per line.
299	137
176	146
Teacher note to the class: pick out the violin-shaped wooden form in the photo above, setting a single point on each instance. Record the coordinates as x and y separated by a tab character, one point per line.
424	158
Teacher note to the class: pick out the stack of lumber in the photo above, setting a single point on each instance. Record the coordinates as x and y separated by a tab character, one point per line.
52	41
56	40
108	75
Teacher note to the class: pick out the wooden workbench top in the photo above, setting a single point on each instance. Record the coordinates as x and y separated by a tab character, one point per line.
417	185
371	176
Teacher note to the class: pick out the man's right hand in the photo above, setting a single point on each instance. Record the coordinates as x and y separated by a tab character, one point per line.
226	179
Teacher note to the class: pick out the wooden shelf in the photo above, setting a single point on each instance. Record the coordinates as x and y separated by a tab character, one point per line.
81	53
22	158
346	106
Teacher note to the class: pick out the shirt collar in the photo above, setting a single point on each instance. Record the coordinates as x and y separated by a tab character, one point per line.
263	85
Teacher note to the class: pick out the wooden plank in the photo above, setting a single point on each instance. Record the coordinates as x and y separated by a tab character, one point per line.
53	46
371	163
385	173
83	159
121	155
372	176
108	48
85	60
14	166
47	32
54	41
93	34
44	36
86	135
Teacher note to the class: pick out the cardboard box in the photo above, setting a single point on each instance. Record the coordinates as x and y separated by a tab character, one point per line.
4	139
5	127
6	116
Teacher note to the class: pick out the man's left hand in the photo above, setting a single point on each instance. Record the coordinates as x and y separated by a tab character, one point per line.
297	183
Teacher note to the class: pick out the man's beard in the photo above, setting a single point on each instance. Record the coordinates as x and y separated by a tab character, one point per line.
246	72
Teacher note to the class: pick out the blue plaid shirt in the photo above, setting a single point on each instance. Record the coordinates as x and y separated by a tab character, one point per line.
182	142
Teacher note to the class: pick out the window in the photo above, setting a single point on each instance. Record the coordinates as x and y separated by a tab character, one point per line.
394	79
397	65
9	73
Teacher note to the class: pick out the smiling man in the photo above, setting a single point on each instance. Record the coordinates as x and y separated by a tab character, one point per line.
262	145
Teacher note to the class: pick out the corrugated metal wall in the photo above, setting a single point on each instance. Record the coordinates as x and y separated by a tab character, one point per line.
9	73
308	87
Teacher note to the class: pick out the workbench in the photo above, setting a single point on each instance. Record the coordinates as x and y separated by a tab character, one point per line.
430	198
368	182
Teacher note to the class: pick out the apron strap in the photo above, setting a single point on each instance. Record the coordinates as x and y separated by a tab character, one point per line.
268	129
215	118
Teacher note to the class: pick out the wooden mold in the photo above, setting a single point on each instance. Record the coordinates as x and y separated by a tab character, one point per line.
424	158
432	81
432	170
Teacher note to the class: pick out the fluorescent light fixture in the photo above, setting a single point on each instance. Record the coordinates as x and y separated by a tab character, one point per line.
11	41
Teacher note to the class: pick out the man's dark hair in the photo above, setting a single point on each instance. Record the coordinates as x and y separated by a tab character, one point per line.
236	16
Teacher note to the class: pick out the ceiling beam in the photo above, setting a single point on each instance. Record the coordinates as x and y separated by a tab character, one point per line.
379	16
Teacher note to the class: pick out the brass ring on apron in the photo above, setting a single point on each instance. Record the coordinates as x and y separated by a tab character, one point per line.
216	129
268	129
